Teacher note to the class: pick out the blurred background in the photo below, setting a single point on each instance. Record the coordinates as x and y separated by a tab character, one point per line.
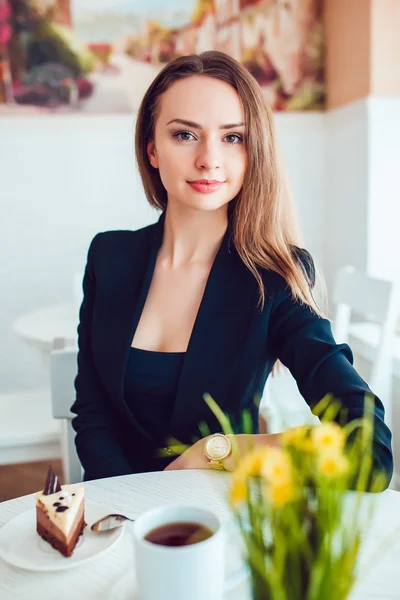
72	75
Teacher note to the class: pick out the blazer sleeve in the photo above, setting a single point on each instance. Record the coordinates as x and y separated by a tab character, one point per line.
304	343
98	447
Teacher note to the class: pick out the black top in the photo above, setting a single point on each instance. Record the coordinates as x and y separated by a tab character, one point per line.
151	381
232	348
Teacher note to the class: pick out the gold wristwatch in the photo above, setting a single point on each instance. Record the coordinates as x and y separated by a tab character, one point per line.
217	447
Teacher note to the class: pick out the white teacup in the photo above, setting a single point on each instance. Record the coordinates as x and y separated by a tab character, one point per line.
195	571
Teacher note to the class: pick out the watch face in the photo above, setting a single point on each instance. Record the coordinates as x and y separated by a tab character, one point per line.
218	447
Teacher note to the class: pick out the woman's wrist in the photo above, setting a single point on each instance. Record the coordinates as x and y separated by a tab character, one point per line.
266	439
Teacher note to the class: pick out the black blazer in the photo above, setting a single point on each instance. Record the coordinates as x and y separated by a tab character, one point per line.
231	351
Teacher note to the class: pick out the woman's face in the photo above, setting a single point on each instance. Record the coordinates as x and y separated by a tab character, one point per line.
199	143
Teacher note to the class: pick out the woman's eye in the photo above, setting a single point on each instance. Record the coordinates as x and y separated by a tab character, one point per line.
183	136
234	138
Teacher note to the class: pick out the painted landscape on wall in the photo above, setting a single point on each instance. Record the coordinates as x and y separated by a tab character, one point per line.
99	56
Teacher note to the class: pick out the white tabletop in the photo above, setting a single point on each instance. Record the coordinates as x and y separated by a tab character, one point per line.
133	494
40	328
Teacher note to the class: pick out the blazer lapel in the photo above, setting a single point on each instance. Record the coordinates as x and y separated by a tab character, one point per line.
133	284
217	340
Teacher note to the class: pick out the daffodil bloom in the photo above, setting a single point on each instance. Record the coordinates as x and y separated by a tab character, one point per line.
277	467
299	439
328	436
280	495
251	463
332	464
294	436
307	446
238	493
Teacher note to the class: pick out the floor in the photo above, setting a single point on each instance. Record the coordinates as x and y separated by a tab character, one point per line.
25	478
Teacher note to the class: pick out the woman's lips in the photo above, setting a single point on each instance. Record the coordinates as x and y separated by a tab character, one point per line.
205	187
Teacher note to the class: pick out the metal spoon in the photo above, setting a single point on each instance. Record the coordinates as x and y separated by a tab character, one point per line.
109	522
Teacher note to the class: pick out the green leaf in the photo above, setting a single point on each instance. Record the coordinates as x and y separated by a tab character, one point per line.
223	419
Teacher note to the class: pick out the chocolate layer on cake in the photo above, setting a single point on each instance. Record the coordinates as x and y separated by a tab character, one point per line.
54	536
60	514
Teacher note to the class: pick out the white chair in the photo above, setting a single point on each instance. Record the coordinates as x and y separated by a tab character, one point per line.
63	370
366	313
373	300
28	433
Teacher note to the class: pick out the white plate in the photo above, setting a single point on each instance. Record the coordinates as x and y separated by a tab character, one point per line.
126	588
21	546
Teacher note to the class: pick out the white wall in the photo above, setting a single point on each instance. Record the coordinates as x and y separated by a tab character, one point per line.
362	187
346	160
384	188
63	179
301	139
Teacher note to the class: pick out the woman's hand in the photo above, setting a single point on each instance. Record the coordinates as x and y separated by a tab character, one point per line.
194	458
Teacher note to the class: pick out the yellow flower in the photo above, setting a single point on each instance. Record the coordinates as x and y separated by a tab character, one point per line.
328	437
251	463
294	436
307	446
277	467
238	493
280	495
297	438
332	464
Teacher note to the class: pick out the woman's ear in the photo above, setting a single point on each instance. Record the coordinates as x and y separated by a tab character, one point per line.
152	154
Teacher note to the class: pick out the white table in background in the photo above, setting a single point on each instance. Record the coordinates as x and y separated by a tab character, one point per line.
133	494
41	327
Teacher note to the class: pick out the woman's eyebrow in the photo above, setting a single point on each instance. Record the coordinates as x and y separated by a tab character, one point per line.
197	126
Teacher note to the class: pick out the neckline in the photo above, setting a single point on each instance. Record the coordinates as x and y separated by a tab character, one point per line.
155	247
157	352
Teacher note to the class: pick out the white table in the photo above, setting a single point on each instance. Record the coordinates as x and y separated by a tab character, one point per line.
133	494
40	328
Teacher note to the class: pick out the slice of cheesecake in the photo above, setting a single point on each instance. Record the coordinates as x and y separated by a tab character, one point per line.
60	513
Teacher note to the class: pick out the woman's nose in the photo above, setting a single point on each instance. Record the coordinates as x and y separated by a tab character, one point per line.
208	160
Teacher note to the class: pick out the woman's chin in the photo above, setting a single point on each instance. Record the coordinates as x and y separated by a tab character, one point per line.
206	202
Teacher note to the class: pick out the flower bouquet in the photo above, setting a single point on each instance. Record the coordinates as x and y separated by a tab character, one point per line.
300	524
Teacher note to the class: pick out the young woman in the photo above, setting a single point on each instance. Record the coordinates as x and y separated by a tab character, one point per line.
208	298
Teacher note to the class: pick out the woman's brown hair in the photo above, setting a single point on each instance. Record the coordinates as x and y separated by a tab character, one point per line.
265	230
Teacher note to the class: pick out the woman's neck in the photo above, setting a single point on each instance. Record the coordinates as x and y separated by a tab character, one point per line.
192	237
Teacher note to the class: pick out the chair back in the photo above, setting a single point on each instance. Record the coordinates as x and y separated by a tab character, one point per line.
371	301
63	370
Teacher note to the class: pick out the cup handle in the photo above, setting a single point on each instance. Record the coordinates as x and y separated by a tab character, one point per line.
241	573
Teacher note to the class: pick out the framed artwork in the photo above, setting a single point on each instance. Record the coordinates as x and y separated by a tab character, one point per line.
99	56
